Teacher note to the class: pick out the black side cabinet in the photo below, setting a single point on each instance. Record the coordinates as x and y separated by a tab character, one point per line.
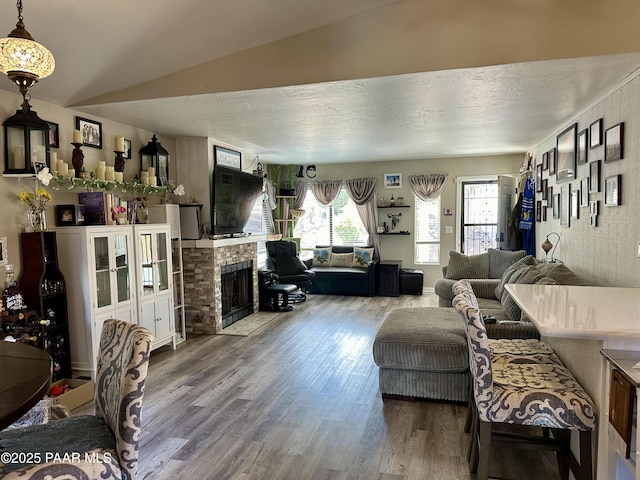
389	278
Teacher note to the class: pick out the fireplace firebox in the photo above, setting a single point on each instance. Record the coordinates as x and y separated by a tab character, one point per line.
237	291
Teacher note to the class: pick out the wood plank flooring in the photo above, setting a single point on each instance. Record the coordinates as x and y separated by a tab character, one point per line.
298	400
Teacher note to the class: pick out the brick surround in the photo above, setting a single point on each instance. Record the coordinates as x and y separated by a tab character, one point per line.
202	284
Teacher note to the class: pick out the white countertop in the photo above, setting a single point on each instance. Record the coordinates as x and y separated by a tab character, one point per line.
596	313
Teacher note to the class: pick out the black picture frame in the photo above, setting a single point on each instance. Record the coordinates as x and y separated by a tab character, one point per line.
538	211
227	157
539	178
583	138
91	132
594	177
595	134
545	161
614	143
556	205
545	189
54	135
566	153
575	204
70	215
565	205
584	192
127	149
549	197
612	186
552	161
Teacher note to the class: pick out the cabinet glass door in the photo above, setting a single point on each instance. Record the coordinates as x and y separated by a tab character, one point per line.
163	262
103	280
121	255
146	264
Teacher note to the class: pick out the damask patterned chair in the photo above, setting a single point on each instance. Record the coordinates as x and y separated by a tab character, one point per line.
100	446
543	395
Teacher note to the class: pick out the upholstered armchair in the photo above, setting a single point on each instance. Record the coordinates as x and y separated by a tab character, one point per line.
100	446
283	260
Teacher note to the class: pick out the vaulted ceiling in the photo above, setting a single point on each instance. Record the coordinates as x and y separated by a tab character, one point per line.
303	81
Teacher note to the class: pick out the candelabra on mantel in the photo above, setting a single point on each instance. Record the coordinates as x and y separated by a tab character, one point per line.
77	158
118	163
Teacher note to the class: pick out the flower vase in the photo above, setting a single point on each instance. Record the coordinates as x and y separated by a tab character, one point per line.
39	220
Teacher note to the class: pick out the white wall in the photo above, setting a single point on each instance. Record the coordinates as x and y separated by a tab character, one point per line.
606	254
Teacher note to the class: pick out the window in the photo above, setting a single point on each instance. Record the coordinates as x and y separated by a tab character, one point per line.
479	216
335	224
427	231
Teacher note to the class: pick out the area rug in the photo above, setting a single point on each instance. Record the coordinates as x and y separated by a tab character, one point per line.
250	324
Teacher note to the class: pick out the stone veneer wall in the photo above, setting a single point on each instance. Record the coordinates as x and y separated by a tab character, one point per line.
202	283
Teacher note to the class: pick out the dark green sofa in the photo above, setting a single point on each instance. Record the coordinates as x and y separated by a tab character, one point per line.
343	280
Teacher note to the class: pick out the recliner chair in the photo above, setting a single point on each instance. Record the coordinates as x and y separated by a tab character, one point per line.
282	259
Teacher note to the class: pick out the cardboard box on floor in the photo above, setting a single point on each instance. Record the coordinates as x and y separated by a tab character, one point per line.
80	393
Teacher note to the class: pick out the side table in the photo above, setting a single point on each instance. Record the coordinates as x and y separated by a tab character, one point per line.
389	278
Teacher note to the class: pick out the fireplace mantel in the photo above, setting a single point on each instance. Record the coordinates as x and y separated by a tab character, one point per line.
223	242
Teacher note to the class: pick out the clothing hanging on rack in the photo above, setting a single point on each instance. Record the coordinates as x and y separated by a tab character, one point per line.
527	217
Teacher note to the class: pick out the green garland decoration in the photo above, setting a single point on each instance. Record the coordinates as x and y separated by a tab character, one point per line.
133	185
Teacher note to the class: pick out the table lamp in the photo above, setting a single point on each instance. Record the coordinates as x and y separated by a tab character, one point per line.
547	246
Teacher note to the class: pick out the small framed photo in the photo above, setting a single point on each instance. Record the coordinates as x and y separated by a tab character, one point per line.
545	161
593	207
4	255
584	192
54	135
545	188
595	134
582	146
392	180
566	153
575	203
549	197
127	149
614	143
552	161
68	215
227	157
612	185
544	213
594	177
565	205
539	178
91	132
538	211
556	205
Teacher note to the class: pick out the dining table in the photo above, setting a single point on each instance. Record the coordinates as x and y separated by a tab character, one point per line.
25	379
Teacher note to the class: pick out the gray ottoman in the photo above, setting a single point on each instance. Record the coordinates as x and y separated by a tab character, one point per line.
422	352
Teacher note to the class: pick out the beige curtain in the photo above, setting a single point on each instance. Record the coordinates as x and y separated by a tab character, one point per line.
362	192
326	191
428	187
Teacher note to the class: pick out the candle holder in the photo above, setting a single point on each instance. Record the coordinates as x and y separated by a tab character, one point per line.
77	158
118	164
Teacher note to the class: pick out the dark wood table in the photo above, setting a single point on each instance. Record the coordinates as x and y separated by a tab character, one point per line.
25	378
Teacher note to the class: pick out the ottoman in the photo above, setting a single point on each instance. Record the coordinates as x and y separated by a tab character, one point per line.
422	352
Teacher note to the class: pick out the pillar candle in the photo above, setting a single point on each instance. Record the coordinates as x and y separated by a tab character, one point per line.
77	136
151	171
18	157
119	143
153	181
63	169
117	176
71	172
101	163
53	158
53	161
109	174
100	173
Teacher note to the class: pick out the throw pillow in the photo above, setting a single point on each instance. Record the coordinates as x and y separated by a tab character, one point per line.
362	256
321	257
341	259
506	276
467	266
500	260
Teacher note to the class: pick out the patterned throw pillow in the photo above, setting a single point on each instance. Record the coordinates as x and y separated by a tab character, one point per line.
341	259
362	256
321	257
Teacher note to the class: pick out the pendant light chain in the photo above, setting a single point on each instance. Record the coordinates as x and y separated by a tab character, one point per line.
19	7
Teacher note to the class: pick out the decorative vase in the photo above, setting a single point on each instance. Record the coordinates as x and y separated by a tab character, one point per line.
39	220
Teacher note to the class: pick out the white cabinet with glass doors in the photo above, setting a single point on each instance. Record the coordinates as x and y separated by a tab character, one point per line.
98	263
155	289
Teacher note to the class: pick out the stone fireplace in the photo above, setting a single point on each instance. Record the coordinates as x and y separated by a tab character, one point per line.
204	263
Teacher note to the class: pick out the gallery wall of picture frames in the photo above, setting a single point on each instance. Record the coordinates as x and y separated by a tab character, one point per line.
575	147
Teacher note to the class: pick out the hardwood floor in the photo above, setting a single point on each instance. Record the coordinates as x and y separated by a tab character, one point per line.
297	400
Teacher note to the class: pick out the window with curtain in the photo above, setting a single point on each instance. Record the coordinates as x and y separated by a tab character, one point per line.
335	224
427	231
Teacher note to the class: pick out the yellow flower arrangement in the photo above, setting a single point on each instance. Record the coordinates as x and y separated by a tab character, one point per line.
37	202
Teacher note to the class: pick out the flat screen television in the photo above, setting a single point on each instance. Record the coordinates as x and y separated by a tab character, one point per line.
234	195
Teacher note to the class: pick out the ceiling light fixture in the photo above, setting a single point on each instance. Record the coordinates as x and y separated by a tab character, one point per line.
23	59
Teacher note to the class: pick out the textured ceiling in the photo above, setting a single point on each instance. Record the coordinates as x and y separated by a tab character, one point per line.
302	81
